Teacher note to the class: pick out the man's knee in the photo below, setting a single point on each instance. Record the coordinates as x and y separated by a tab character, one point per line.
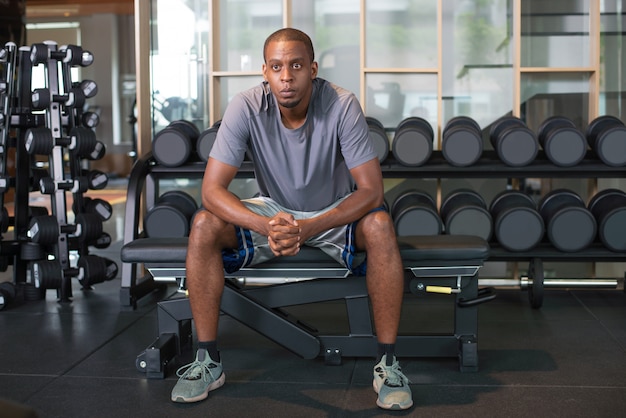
207	227
377	224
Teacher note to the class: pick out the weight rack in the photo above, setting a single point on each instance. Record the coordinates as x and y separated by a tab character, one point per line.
50	122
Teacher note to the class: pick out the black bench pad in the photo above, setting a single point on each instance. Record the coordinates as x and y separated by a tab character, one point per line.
415	251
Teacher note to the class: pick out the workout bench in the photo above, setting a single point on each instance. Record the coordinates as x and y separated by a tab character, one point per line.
442	263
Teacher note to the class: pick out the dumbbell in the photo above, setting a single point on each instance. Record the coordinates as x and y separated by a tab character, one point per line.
464	212
77	95
71	54
517	223
81	141
205	141
462	142
96	179
46	229
412	143
570	226
515	144
90	119
94	269
414	212
173	146
171	215
90	269
7	294
563	143
378	137
96	206
606	135
48	185
609	208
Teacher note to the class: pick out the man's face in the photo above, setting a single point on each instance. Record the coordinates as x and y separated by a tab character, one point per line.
289	71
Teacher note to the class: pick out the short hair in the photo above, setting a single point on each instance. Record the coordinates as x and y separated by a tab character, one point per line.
290	34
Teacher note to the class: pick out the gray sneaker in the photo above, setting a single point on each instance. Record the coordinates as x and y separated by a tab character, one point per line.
392	386
198	378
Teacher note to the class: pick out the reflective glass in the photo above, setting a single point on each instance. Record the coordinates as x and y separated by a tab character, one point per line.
390	98
244	25
230	86
555	33
477	70
612	58
179	62
401	34
334	29
550	94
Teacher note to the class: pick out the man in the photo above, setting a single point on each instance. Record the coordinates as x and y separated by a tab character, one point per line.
321	185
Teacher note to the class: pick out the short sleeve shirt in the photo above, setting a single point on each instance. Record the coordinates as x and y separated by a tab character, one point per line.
306	168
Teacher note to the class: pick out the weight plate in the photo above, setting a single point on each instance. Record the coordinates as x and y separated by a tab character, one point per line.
536	291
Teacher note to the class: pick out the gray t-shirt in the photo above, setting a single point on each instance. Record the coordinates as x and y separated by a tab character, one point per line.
303	169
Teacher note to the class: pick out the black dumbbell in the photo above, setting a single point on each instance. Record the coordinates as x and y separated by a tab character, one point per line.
517	223
606	135
173	146
515	144
412	144
48	185
81	141
46	229
42	98
93	269
71	54
90	119
563	143
570	226
462	141
379	137
414	212
96	179
7	294
609	208
97	206
171	215
46	274
464	212
205	141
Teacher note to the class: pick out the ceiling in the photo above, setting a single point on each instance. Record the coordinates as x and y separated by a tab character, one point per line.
36	9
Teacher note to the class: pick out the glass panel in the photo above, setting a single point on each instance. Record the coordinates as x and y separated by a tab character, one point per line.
612	59
334	28
391	98
401	34
230	86
555	33
562	94
178	62
244	25
477	71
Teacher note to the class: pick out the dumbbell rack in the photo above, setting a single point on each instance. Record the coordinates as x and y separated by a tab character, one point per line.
50	116
148	171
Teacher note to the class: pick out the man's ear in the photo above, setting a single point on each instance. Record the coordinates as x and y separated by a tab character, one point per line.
313	70
264	68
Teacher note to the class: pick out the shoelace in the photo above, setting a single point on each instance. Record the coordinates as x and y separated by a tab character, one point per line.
393	376
195	370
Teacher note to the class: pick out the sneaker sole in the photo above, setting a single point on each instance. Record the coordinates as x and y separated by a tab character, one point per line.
215	385
390	406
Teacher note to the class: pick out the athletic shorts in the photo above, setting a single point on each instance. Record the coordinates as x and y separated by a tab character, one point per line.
254	247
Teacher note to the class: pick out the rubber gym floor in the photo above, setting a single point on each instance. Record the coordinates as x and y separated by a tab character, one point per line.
567	359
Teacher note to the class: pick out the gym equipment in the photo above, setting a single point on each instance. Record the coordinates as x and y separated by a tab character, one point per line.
90	270
412	145
46	229
442	264
515	144
517	223
171	215
7	294
206	140
564	144
570	226
47	185
97	206
414	212
96	179
606	135
173	145
464	212
379	137
73	55
462	142
82	141
609	208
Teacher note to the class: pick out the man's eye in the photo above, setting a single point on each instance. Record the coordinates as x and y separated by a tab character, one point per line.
276	67
297	66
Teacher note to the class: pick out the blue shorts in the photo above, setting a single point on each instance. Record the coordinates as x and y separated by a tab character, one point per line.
254	247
